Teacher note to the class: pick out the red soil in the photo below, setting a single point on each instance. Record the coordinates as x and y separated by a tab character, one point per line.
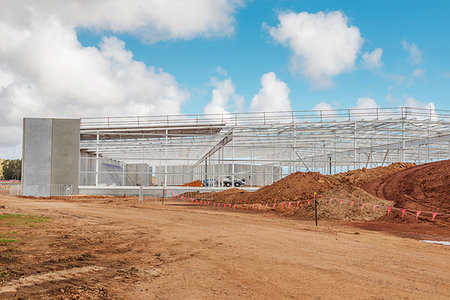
424	187
362	176
194	183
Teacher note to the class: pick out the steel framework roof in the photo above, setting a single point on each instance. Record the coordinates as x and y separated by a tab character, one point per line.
327	140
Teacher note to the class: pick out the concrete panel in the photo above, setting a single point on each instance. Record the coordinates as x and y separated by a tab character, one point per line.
36	157
139	174
65	152
50	156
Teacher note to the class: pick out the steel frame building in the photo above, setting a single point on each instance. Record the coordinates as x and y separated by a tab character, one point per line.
270	145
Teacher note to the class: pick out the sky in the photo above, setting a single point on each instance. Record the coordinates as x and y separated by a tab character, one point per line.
67	58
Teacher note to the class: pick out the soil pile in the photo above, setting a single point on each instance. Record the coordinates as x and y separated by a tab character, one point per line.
297	186
233	195
423	187
194	183
362	176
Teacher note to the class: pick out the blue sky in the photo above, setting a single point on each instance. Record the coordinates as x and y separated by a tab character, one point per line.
251	52
113	57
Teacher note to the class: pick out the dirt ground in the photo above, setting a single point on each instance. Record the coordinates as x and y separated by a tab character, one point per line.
108	249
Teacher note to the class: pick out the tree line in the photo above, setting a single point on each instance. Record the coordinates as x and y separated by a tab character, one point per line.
12	169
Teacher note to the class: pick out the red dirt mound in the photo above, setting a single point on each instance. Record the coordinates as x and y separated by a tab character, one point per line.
297	186
194	183
233	195
362	176
424	187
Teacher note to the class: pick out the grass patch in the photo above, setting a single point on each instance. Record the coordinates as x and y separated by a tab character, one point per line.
6	240
9	237
20	220
4	273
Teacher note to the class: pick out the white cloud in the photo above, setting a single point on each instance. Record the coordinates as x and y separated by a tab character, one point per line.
325	110
221	71
273	95
411	102
323	45
414	52
422	110
418	73
366	108
46	72
220	103
365	103
372	60
152	20
71	80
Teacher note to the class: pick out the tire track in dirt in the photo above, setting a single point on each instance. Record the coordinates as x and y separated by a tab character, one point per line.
424	187
51	276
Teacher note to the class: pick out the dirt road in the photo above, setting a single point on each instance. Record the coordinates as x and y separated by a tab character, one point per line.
423	187
177	251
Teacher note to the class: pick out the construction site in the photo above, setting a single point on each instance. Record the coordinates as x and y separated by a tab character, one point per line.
231	206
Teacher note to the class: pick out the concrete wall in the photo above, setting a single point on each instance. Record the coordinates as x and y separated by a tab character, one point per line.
176	175
65	152
50	156
36	157
139	174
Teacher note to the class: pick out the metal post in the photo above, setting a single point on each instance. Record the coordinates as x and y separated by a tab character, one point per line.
232	162
97	160
141	194
315	207
165	163
164	195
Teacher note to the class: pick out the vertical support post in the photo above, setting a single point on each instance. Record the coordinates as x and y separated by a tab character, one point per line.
315	207
354	147
330	172
206	172
97	159
165	163
232	157
402	151
123	173
141	194
251	165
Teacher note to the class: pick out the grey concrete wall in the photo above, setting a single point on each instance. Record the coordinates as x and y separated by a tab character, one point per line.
65	152
177	175
50	156
111	172
139	174
36	157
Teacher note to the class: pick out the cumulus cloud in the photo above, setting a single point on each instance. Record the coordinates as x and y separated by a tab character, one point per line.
372	60
224	98
415	55
46	72
323	45
365	108
273	95
418	73
152	20
53	75
412	102
325	111
365	103
425	109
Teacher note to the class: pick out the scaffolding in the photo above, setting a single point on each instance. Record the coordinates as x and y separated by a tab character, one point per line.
260	147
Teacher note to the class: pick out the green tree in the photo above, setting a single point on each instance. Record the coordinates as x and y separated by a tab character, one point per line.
12	169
